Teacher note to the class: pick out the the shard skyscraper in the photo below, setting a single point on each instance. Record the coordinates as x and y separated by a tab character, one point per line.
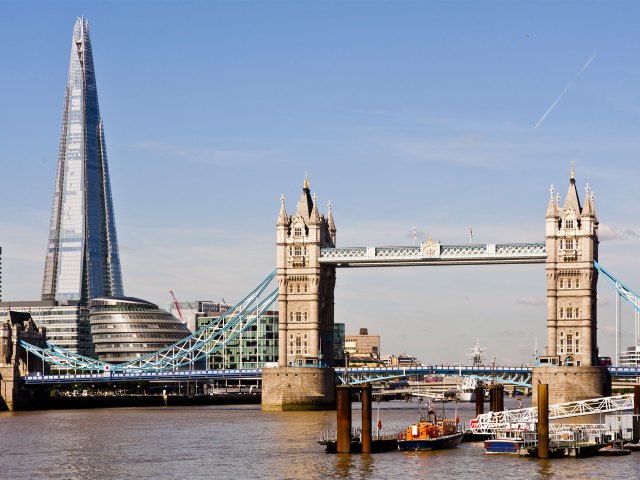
82	256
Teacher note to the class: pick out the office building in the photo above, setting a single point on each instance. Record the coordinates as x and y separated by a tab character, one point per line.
630	357
338	344
362	344
82	259
190	312
127	328
67	324
252	348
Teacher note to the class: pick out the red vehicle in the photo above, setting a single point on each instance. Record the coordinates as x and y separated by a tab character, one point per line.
604	361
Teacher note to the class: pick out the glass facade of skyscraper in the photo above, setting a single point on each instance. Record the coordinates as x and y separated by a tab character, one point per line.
82	256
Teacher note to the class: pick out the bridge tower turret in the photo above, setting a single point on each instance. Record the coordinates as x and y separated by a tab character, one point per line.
305	309
572	247
306	297
569	366
15	361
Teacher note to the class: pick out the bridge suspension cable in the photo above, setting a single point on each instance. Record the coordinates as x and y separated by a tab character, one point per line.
207	340
631	298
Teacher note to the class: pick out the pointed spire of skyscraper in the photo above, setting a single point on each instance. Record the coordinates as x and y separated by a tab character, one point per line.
82	256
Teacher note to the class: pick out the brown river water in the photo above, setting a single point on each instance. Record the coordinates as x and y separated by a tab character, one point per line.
242	442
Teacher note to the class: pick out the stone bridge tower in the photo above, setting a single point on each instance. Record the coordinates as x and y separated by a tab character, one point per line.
15	361
570	363
304	378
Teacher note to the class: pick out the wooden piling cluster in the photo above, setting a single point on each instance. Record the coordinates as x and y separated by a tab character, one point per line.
496	398
343	423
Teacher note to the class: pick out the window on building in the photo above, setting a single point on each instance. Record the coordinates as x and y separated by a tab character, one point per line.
568	244
577	283
561	283
568	283
568	223
297	231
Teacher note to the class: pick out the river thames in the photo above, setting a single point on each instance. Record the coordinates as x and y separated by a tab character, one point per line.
242	442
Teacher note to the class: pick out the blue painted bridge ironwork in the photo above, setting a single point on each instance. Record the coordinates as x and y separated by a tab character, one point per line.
504	374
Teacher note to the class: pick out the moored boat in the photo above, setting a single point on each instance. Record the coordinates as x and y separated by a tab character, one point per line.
507	440
467	389
616	449
430	434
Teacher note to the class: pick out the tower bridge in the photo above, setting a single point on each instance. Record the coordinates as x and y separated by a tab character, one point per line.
307	260
308	257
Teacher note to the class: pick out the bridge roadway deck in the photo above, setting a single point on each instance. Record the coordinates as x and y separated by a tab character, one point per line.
37	378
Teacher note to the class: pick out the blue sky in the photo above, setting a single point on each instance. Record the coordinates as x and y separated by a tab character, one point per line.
403	113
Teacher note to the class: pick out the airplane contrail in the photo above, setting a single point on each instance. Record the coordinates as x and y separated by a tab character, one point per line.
566	89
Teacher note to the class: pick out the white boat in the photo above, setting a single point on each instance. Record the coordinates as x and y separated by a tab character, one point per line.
467	389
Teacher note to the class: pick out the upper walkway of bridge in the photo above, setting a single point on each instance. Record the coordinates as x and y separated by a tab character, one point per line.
434	253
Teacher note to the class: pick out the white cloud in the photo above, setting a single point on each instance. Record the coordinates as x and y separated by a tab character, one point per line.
607	233
531	301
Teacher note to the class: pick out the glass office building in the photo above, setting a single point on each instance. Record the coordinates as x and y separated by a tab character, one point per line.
82	256
67	325
252	348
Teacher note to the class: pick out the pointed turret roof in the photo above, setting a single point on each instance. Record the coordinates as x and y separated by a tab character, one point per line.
589	202
332	226
552	209
314	215
282	217
572	200
305	204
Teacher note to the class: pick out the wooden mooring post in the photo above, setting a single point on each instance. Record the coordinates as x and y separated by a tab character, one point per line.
543	420
343	424
366	418
479	401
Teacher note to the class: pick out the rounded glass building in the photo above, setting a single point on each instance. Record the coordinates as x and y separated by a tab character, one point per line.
127	328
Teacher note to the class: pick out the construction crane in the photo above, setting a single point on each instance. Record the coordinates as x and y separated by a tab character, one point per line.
175	301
